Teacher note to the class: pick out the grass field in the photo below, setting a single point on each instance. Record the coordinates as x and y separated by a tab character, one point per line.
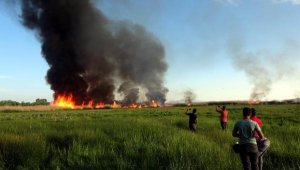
149	138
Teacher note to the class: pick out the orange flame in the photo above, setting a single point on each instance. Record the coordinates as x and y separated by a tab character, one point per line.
115	105
100	105
65	101
132	105
90	104
154	103
253	102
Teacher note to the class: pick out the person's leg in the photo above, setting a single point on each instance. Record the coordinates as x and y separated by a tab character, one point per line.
253	154
262	147
225	125
192	127
254	161
245	161
260	158
245	157
260	162
222	125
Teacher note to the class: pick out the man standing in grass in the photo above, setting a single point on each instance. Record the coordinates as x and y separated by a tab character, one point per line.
244	129
192	119
223	116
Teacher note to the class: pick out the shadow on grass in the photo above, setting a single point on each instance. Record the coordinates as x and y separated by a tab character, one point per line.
58	147
281	161
182	125
17	152
61	142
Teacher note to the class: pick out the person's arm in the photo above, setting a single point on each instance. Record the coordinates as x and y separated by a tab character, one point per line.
259	132
218	109
187	112
235	132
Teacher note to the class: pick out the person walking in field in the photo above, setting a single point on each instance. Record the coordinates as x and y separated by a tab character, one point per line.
244	129
223	116
192	119
262	145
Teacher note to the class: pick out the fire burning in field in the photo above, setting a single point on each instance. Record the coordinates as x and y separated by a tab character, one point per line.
253	101
92	58
64	101
154	103
67	101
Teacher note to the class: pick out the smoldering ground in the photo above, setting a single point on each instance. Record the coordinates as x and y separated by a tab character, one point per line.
89	55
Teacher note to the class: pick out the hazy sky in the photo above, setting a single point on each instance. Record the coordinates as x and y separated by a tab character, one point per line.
219	49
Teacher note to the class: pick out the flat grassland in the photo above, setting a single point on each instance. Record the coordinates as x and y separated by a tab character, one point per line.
149	138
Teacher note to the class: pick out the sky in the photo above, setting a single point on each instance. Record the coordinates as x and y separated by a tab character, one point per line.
218	49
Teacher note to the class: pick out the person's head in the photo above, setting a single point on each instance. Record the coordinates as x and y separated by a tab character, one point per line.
246	112
223	107
253	112
194	110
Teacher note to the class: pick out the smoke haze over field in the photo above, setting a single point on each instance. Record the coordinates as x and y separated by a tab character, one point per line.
263	68
189	96
88	54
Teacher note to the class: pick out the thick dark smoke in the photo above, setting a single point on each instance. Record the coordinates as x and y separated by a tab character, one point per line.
130	93
189	96
88	54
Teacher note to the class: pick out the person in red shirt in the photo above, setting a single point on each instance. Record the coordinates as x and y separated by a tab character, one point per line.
262	144
223	116
255	119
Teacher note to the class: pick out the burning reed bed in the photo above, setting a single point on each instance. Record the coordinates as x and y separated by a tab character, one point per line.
152	138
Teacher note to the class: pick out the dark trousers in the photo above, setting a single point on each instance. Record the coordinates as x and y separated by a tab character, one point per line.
223	125
192	126
249	156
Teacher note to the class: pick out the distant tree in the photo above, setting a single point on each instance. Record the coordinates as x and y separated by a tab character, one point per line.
25	103
15	103
9	103
41	102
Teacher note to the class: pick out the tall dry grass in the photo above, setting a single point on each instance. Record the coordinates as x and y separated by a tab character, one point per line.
30	108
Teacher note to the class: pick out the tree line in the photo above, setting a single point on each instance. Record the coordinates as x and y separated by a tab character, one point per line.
15	103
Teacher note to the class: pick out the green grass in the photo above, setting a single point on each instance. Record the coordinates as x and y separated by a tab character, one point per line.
150	138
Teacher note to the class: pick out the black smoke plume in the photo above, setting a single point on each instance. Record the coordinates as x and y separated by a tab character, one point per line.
88	54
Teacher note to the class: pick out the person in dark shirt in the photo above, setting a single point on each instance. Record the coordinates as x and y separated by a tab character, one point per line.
192	119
